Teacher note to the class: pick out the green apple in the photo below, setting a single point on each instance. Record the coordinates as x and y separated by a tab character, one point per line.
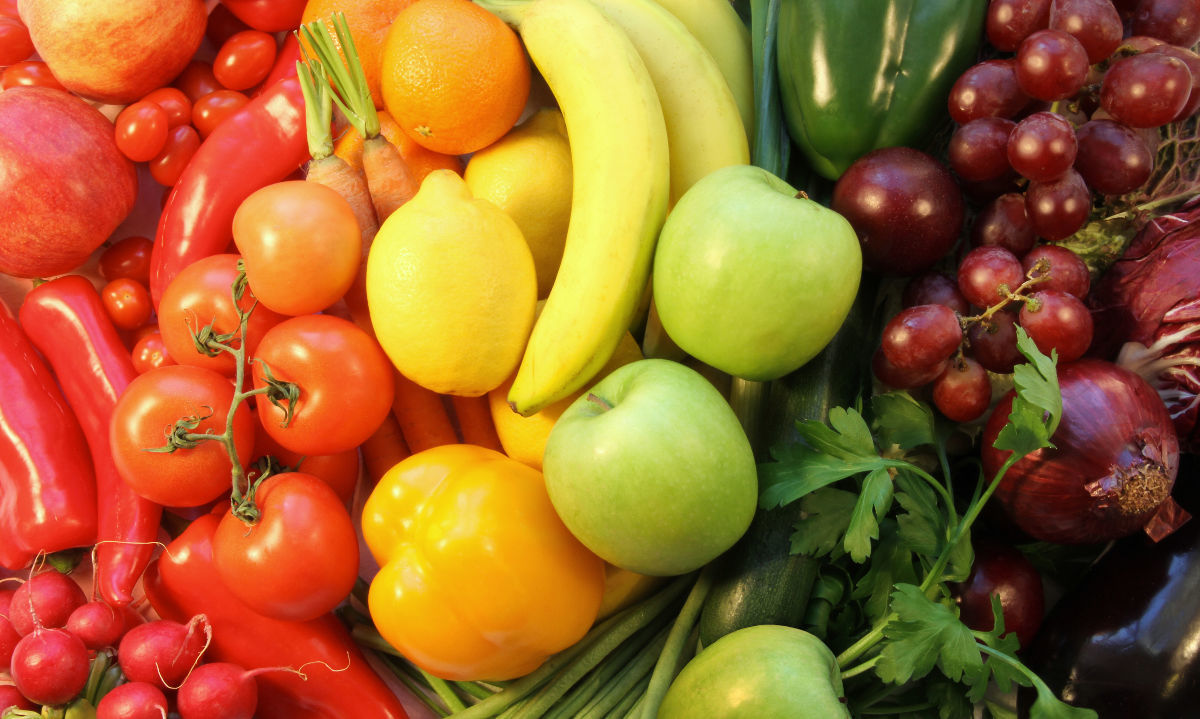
764	671
651	470
752	278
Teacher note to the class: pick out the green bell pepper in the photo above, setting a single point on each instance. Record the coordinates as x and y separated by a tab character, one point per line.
857	75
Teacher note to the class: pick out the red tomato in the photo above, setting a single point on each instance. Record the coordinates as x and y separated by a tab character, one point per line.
127	303
299	560
345	382
129	257
150	352
222	25
174	102
15	44
186	477
340	470
245	59
268	15
8	8
168	165
201	296
197	80
29	72
298	229
141	130
212	109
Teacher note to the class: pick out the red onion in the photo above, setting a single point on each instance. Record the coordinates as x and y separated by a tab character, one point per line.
1111	470
1146	312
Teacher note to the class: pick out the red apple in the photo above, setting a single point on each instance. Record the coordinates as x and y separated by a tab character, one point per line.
115	52
65	186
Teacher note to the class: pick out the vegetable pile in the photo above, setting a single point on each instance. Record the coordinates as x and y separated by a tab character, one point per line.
652	358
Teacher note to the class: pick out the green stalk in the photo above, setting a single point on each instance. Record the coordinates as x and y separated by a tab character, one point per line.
671	660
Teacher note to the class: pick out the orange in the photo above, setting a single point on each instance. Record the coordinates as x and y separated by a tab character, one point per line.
368	21
420	161
453	75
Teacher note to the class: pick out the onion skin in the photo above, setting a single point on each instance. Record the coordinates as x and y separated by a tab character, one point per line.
1114	463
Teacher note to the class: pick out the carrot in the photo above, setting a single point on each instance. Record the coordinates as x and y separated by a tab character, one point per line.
389	179
423	418
475	423
383	449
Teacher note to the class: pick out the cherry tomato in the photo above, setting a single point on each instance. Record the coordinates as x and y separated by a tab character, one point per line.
319	354
245	59
166	167
29	73
8	8
200	296
174	102
129	257
197	80
127	302
212	109
15	44
150	352
299	560
339	470
268	15
298	229
222	25
186	477
141	130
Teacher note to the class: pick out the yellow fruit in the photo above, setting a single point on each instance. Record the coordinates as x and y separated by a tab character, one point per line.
527	173
451	289
524	438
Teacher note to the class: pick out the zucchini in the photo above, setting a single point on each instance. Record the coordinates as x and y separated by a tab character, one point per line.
759	580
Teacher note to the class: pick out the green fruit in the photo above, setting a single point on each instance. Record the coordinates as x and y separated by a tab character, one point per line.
764	671
749	277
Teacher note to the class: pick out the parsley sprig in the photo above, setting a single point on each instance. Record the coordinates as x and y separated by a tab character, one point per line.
878	504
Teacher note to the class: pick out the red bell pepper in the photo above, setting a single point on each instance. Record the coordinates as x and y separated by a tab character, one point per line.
268	15
262	143
47	484
66	320
183	582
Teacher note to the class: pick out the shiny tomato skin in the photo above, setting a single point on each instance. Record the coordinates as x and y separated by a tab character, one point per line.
127	303
200	295
268	15
29	73
214	108
150	352
15	44
339	470
345	380
300	559
141	130
245	59
196	80
154	401
166	167
174	102
128	257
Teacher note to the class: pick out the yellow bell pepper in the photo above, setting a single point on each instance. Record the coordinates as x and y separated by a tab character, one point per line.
479	578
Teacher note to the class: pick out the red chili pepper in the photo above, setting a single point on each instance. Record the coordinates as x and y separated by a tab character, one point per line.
183	582
47	485
66	320
285	63
268	15
262	143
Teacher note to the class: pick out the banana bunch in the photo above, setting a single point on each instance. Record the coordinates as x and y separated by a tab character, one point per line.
648	111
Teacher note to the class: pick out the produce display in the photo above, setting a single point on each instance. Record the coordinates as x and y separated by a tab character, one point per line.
746	359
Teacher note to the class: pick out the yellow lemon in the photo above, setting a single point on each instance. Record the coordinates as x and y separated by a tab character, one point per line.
524	438
451	289
527	173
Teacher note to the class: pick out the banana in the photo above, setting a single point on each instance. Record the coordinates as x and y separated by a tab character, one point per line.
719	28
704	127
620	185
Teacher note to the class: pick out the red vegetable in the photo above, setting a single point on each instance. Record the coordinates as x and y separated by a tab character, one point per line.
183	581
261	143
219	690
47	485
163	652
1147	308
268	15
50	666
66	321
46	601
133	700
1111	469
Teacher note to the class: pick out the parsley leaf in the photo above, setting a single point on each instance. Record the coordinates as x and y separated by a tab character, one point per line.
922	525
1037	406
825	517
923	634
874	500
901	420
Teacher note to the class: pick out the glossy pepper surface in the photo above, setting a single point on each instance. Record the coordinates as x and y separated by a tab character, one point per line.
480	579
858	75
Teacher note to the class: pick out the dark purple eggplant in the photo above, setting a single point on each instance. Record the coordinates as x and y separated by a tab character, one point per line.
1125	640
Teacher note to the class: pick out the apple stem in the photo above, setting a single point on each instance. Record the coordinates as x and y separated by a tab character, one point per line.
802	195
604	404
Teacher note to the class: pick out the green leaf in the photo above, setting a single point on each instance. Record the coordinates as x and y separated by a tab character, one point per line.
825	517
891	563
847	435
874	500
901	420
1037	408
962	556
996	711
1048	706
922	525
923	634
805	472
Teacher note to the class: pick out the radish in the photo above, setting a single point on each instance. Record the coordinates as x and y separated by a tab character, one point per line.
44	600
50	666
12	698
133	700
219	690
101	625
8	635
162	652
